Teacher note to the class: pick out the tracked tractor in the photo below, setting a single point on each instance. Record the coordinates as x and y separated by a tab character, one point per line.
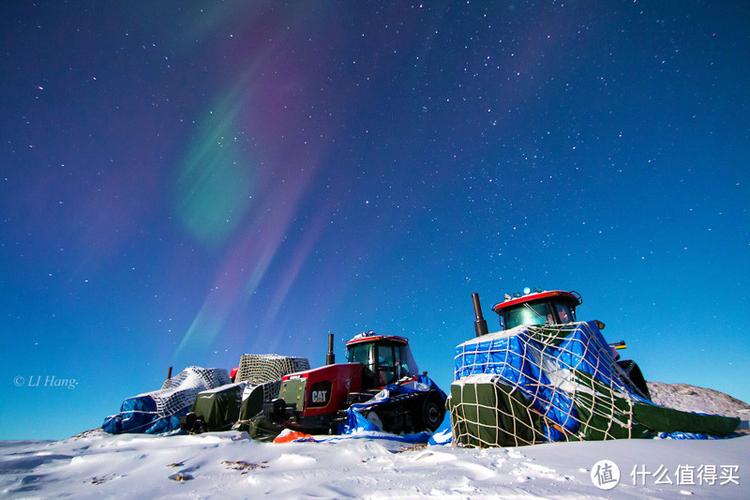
316	401
553	307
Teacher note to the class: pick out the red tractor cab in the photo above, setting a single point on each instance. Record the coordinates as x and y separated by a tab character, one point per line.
536	308
316	400
386	359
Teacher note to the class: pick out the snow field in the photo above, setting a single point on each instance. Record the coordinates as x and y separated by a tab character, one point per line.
230	465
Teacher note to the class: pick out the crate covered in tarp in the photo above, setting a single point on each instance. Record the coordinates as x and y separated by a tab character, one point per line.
233	405
263	373
257	369
251	410
215	409
159	411
535	384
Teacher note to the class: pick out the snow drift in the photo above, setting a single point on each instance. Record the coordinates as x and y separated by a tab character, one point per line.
230	465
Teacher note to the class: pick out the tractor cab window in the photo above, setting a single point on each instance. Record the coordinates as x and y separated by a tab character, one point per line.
360	353
408	365
528	315
388	364
564	313
384	362
364	355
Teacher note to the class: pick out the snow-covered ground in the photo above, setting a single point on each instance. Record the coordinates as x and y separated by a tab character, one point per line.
229	465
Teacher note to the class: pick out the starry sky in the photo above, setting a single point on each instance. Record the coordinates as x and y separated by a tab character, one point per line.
184	182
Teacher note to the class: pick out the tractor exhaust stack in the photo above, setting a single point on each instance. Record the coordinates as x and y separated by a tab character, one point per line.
480	325
330	356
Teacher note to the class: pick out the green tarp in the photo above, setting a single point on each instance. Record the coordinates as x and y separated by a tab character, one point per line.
487	412
661	419
252	405
219	408
481	415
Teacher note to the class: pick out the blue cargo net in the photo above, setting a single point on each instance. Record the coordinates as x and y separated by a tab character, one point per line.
560	380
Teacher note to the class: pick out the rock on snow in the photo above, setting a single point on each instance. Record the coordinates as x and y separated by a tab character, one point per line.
693	398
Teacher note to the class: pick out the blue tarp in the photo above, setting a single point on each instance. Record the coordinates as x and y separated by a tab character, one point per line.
357	422
138	414
518	359
539	367
415	438
442	435
142	414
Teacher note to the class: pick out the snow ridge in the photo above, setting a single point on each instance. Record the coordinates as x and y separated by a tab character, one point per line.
688	397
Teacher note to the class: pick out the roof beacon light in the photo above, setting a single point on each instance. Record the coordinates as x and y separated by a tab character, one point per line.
526	291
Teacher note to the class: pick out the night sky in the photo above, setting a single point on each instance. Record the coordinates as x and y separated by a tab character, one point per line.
184	182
